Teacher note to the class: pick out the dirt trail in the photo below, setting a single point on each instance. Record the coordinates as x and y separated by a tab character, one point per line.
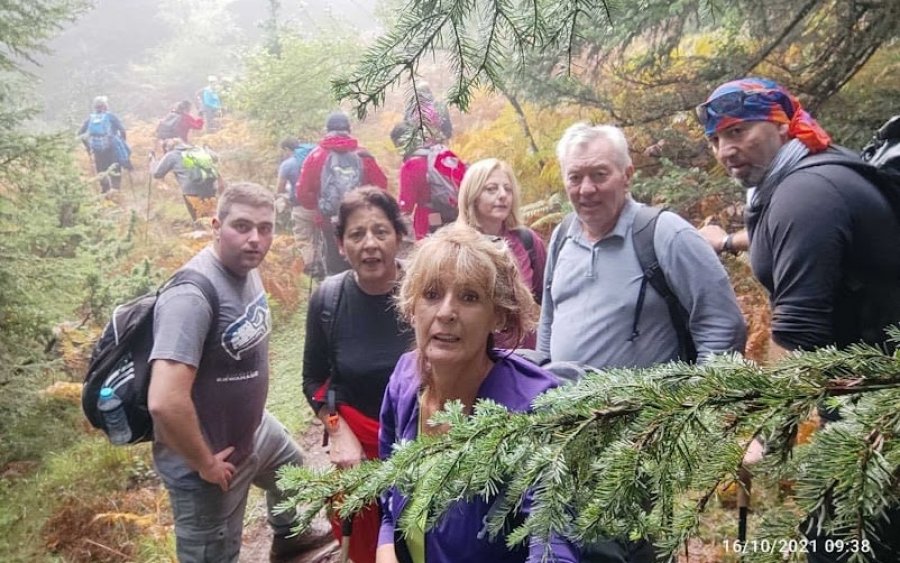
258	536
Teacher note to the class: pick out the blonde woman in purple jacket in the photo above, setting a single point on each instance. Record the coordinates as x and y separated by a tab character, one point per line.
460	288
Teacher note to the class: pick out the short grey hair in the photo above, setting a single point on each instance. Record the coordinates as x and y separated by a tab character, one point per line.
584	133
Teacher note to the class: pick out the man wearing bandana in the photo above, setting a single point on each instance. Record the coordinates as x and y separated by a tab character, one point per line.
822	238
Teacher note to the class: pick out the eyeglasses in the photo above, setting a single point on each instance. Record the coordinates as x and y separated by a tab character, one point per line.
731	103
735	104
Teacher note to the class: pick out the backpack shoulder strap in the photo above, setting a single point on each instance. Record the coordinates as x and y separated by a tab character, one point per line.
204	284
643	233
558	243
527	239
332	291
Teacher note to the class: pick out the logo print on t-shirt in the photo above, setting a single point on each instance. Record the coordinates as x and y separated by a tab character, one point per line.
249	329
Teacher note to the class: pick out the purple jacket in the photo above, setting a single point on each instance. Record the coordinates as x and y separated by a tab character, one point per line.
512	382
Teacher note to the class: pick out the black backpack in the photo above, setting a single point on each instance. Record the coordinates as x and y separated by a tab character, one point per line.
873	302
167	128
643	231
120	356
525	235
879	161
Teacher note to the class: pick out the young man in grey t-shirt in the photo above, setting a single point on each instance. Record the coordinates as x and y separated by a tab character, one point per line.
210	378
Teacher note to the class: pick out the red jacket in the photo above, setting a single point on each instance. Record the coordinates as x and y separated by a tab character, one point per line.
187	123
415	192
309	184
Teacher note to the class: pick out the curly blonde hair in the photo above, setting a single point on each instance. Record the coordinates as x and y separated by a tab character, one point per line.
461	253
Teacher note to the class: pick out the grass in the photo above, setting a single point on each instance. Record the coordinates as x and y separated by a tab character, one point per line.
286	401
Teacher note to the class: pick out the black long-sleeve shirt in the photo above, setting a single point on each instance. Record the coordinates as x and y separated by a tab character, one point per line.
826	249
369	338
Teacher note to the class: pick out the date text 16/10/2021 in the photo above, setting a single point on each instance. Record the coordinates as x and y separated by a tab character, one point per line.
803	545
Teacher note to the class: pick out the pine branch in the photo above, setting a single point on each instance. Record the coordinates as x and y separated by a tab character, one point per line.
639	452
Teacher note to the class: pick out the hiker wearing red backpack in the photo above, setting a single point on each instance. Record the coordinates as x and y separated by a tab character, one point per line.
178	122
336	166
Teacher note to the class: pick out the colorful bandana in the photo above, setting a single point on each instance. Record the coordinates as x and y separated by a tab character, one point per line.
760	99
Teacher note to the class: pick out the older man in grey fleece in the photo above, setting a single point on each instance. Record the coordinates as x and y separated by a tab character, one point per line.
592	291
592	285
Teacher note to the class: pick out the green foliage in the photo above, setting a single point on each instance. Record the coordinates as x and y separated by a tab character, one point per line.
679	188
25	27
285	400
204	40
289	92
596	453
637	62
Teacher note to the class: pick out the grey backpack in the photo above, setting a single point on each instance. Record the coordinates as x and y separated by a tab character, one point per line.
341	174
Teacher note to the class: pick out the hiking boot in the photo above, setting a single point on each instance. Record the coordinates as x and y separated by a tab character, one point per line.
284	548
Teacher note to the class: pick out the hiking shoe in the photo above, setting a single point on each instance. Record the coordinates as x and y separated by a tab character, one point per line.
284	548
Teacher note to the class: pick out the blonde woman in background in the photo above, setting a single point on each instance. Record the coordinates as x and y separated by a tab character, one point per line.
489	199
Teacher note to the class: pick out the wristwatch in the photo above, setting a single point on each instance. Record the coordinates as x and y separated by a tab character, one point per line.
728	244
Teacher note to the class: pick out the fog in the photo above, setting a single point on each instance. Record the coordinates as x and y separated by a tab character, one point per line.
145	54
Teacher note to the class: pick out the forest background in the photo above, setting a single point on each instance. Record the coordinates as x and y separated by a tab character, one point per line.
70	255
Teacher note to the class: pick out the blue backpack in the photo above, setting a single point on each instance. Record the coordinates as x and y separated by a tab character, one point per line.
341	174
99	132
300	153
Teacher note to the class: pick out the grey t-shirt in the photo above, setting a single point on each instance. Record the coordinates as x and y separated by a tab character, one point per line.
172	162
232	380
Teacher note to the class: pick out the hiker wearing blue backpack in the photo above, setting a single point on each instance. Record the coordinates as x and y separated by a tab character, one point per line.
336	166
210	104
103	135
628	286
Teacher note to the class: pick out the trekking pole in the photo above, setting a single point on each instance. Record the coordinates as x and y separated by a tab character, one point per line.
346	532
743	502
150	158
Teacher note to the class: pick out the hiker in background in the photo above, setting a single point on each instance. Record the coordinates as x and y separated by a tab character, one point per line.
196	171
459	289
354	338
178	122
336	166
427	167
600	309
424	112
210	104
293	154
489	199
213	437
822	239
103	135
